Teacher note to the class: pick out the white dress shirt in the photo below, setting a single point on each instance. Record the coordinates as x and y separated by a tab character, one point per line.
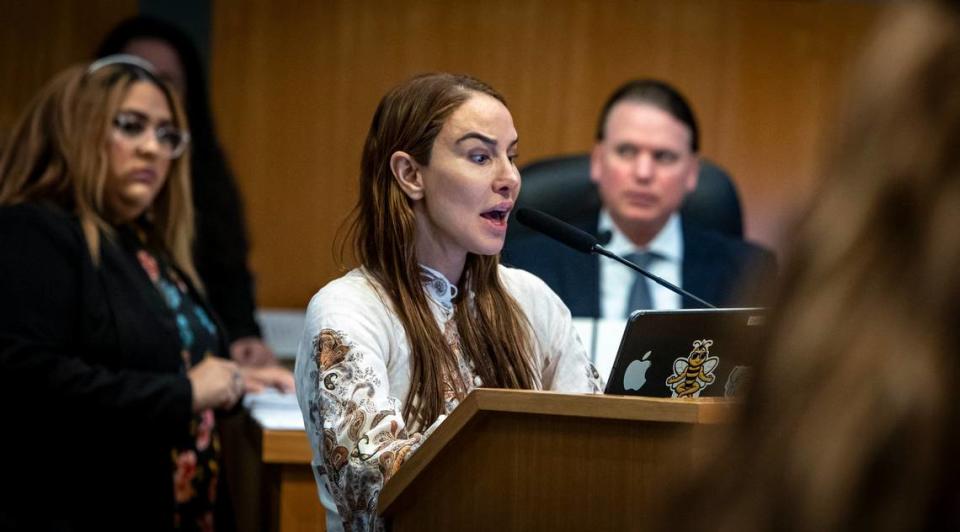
617	279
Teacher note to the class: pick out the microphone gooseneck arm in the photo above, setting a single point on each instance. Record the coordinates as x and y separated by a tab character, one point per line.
584	242
600	250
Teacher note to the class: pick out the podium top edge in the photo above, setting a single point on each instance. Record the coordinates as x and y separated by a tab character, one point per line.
699	410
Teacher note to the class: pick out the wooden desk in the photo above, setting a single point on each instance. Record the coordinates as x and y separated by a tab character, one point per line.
290	491
269	479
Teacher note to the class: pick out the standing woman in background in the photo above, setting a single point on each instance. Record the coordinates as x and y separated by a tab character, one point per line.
393	346
853	421
110	362
221	247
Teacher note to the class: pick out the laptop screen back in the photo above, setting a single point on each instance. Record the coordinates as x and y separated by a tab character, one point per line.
686	353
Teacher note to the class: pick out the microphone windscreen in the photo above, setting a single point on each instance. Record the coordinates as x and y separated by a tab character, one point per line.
556	229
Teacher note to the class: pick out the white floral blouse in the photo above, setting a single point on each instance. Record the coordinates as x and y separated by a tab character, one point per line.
353	376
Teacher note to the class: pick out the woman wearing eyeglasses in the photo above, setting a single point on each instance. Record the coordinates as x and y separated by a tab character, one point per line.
110	360
220	247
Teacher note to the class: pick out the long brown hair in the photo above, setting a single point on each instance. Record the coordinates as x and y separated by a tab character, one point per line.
58	153
494	332
852	422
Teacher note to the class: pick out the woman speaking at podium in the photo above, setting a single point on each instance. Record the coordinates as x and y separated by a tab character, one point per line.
394	345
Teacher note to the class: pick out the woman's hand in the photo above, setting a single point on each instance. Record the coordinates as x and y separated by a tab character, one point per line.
256	380
251	351
216	383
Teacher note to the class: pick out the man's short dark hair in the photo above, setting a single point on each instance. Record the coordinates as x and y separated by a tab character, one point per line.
658	94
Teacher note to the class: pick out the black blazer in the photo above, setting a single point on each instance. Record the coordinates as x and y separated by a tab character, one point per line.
90	380
719	269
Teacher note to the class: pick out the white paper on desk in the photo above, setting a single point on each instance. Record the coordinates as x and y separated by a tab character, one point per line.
270	398
274	410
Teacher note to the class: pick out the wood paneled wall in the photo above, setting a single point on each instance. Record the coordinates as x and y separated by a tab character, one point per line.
295	84
39	38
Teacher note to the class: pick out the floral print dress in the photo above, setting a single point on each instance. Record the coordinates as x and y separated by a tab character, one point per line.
193	460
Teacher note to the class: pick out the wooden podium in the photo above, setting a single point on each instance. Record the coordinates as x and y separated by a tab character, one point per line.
520	460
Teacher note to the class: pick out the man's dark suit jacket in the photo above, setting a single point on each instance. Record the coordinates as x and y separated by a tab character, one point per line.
721	270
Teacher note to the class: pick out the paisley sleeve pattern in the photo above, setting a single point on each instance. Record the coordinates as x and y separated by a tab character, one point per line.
363	439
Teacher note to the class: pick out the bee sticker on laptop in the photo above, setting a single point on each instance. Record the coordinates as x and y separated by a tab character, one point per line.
693	373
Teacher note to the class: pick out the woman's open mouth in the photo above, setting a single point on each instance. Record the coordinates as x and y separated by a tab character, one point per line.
497	216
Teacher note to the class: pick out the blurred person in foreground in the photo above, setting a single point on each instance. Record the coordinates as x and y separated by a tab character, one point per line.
110	362
393	346
221	246
852	423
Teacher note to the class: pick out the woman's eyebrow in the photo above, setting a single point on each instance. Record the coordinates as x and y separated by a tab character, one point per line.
145	117
485	139
479	136
139	114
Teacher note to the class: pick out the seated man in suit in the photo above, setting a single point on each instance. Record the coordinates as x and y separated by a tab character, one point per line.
644	163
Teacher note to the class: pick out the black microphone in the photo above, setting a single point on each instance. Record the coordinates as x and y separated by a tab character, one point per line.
558	230
584	242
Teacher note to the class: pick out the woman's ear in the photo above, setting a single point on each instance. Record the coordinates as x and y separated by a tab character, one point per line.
407	173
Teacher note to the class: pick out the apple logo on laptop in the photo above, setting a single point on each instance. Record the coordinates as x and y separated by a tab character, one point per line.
636	374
